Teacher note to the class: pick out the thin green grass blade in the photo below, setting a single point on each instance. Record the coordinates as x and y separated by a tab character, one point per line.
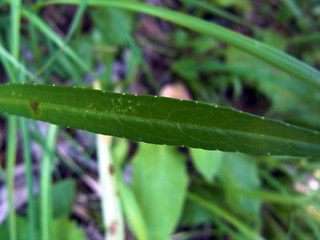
77	18
132	211
45	185
305	39
296	11
312	224
216	210
29	175
15	28
220	12
34	43
293	8
9	58
11	162
4	61
158	120
274	197
42	141
74	24
14	38
262	51
42	26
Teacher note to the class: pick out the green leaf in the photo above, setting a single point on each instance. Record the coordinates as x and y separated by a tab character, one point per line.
63	228
160	182
120	152
158	120
194	214
133	212
63	194
258	49
238	171
186	68
274	39
207	162
115	25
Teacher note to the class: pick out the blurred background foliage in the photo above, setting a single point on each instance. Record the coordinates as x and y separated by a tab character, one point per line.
165	192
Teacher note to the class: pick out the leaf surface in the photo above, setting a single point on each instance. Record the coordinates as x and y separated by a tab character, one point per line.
158	120
160	183
239	171
207	163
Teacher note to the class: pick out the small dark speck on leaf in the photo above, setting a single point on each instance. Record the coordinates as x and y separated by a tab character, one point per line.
111	169
35	107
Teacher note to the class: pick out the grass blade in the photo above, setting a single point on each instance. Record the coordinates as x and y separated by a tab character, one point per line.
262	51
77	18
158	120
12	120
11	162
220	12
29	173
42	26
15	28
216	210
5	55
45	185
296	11
74	24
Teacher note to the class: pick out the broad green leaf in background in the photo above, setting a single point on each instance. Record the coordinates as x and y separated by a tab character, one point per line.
160	184
63	193
200	45
64	228
120	152
239	171
273	38
207	162
158	120
115	25
193	214
187	68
